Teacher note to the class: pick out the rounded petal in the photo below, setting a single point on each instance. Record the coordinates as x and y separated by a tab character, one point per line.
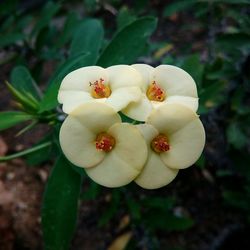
80	79
145	70
190	102
121	97
174	81
155	173
186	145
121	76
96	117
130	145
139	110
71	99
125	161
77	143
171	117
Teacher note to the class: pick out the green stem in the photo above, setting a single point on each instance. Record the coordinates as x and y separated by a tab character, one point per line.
25	152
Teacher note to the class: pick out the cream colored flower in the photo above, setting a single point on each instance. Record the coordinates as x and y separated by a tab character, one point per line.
93	137
175	138
116	86
161	85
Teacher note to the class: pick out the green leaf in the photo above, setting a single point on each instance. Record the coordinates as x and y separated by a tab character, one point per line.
194	67
22	80
27	101
25	152
70	25
129	43
235	136
163	204
112	208
92	192
124	17
49	10
9	39
167	221
12	118
49	100
43	154
88	38
178	6
60	205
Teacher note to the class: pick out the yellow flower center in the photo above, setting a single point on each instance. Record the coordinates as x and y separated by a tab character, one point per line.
99	89
160	143
155	92
104	142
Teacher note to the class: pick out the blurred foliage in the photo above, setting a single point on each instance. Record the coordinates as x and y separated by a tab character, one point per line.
48	34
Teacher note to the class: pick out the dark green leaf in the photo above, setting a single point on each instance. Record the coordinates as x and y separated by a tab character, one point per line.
235	136
124	17
71	24
12	118
194	67
129	43
178	6
23	81
159	203
88	39
49	10
92	192
60	205
25	152
134	208
111	209
49	100
9	39
167	221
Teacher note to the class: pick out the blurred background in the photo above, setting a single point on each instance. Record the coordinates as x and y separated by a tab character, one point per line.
207	207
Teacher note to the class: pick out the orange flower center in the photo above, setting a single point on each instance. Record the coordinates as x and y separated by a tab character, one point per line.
99	89
104	142
155	92
160	143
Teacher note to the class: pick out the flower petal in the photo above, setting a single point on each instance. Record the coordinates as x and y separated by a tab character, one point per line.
121	97
71	99
186	145
97	117
174	81
190	102
125	161
145	70
123	76
77	143
112	172
130	145
80	79
171	117
155	173
139	110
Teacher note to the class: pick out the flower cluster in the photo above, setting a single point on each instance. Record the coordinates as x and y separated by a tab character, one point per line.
113	153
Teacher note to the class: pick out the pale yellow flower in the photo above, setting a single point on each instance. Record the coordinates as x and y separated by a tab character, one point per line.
93	137
161	85
116	86
175	137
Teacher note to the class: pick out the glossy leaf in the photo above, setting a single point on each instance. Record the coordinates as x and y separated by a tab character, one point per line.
129	43
49	10
12	118
22	80
60	205
88	38
49	100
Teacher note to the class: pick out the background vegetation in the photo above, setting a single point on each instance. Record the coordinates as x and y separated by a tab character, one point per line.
206	207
